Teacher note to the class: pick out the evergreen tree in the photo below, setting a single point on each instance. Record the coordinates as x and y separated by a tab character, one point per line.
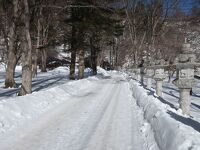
90	22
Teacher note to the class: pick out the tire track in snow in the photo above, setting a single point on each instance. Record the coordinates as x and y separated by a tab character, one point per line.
71	115
118	129
104	119
80	141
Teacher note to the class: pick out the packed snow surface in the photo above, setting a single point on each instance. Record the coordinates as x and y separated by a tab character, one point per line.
109	111
95	113
170	131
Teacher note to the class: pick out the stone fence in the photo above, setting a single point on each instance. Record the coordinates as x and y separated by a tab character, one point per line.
184	67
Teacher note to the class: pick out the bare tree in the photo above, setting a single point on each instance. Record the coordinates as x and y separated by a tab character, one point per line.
26	87
144	23
12	46
38	41
73	53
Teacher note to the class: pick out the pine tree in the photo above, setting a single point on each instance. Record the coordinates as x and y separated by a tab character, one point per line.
90	22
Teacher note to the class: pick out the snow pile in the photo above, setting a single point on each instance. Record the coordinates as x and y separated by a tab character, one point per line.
102	72
59	70
18	68
14	112
167	123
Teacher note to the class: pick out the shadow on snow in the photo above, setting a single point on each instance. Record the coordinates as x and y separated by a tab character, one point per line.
37	85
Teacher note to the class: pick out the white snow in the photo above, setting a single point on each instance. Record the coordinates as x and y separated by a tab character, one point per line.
109	111
94	113
170	134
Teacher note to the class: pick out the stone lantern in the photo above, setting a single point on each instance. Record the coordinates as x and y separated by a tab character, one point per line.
149	75
137	74
185	76
159	75
133	73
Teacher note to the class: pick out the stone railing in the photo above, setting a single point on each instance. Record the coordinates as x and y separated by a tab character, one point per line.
184	79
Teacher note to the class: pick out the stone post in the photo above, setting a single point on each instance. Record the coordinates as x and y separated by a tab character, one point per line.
133	74
185	77
137	74
142	70
159	76
184	101
149	76
149	83
159	87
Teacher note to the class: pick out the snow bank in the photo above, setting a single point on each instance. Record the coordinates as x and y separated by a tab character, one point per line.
102	71
14	112
59	70
168	124
18	68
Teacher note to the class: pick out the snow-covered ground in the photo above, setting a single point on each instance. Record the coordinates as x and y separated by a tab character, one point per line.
42	81
172	130
94	113
109	111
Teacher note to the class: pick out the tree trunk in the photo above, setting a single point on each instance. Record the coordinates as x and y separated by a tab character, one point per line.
94	61
35	57
93	58
44	60
72	65
26	86
116	58
12	58
81	62
10	71
99	58
34	64
73	54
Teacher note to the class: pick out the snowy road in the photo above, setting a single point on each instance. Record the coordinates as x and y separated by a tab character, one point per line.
101	116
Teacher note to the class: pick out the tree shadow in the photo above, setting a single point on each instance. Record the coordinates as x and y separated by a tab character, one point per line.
187	121
100	76
18	75
197	77
197	106
195	95
47	84
36	84
167	102
152	93
171	94
9	92
166	87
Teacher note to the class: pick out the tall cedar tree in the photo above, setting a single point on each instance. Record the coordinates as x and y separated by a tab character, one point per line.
85	26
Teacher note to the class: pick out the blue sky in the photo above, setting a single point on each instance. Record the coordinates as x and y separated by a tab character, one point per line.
186	5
